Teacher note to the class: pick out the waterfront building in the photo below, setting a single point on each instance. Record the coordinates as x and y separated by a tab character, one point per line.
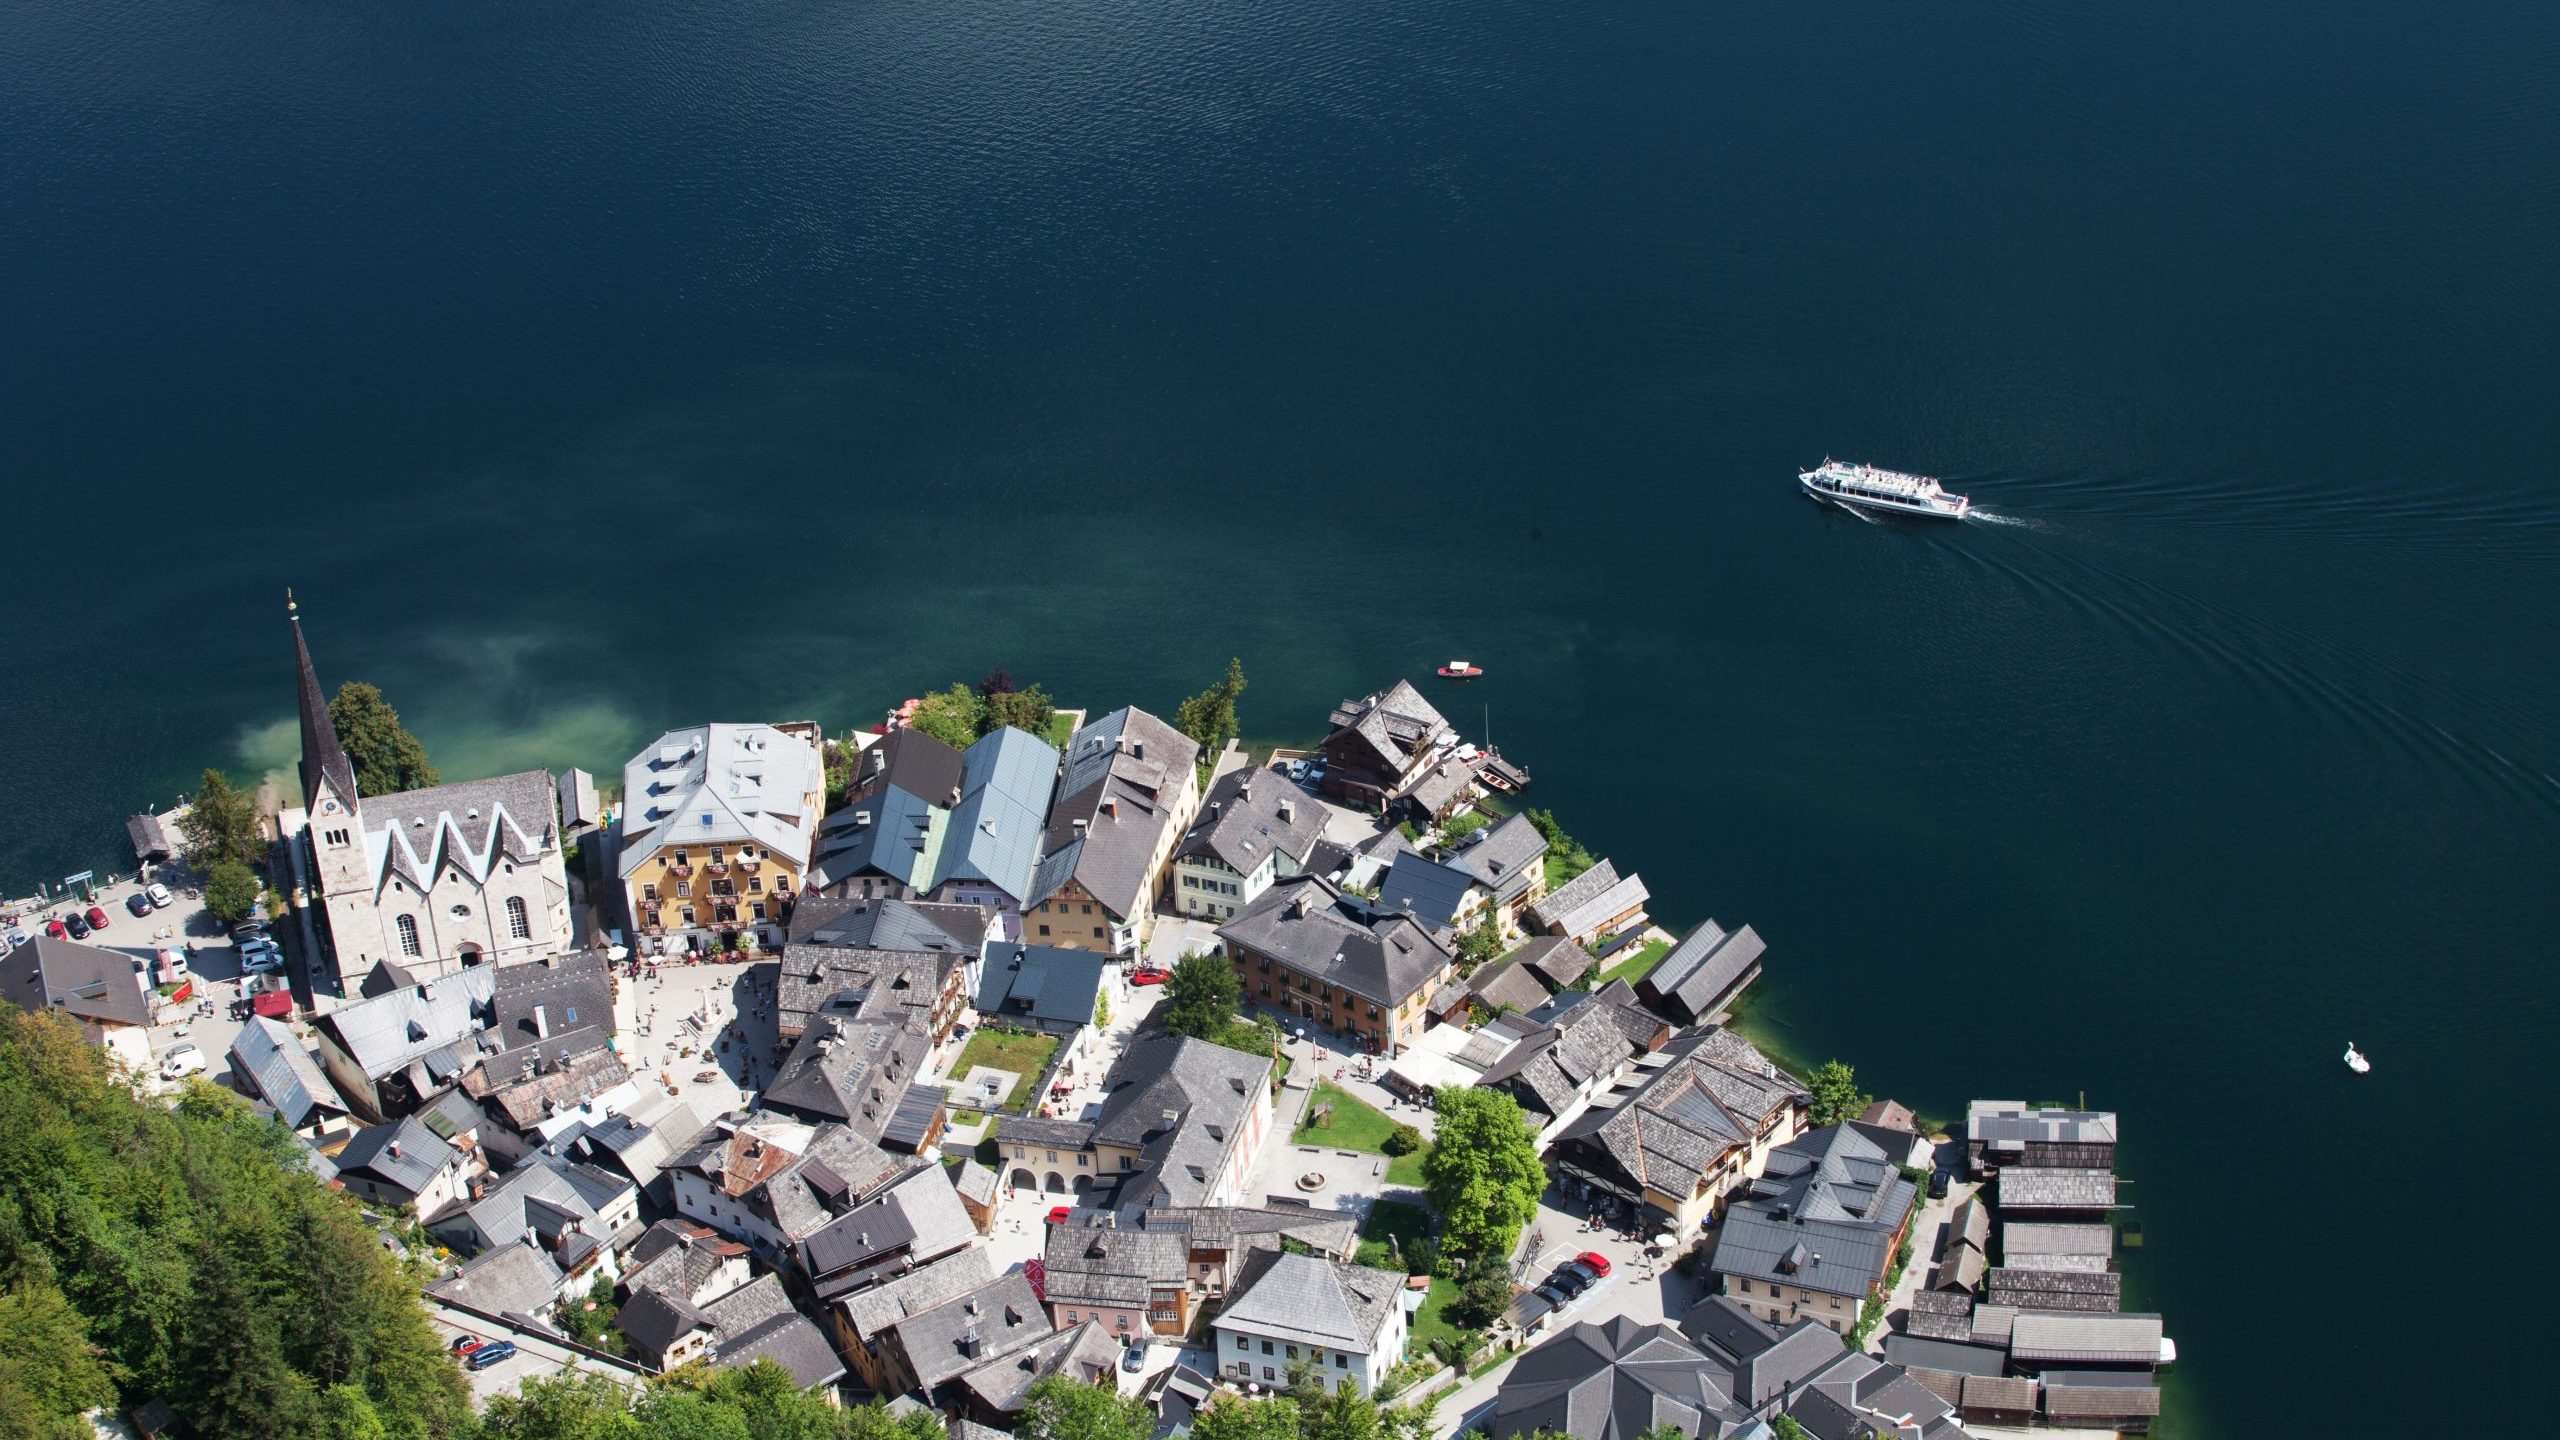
2010	1132
1698	1128
1255	829
1593	907
1125	797
108	993
1382	745
432	880
885	839
1817	1233
1705	972
718	822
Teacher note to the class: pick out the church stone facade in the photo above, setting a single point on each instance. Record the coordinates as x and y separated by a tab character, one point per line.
428	880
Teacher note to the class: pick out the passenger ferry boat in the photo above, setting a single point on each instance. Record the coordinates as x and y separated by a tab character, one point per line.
1867	488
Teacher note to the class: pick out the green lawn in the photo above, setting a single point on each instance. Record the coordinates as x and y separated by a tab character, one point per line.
1562	868
1062	728
1355	1124
1026	1055
1407	1169
1428	1323
1637	965
1390	1218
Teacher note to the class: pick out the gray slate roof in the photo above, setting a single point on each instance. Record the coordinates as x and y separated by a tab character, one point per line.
1101	1264
512	1278
1003	1315
1715	1093
1251	813
472	826
1573	894
82	980
893	955
2013	1122
1504	857
1209	1089
1041	982
421	1155
1424	889
854	1071
1083	1352
1308	924
2085	1337
870	1312
1124	778
387	1032
1549	1068
547	1198
1705	969
2037	1188
2057	1289
283	1073
1821	1217
897	816
756	1321
1321	1302
1614	1381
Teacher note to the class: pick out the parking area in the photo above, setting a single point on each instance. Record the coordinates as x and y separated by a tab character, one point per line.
535	1356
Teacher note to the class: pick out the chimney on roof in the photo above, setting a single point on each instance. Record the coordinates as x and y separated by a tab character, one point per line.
1110	809
1137	749
861	817
1172	1117
1288	810
1298	906
1214	808
392	1149
972	1343
1079	829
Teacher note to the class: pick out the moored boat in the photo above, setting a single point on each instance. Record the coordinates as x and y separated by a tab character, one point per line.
1866	487
1460	670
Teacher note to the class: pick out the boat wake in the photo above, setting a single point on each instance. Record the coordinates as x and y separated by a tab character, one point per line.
1991	517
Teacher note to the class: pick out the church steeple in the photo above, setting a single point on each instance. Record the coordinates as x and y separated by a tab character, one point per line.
324	760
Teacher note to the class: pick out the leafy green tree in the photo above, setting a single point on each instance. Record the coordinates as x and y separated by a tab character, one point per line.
1483	1295
221	823
1402	1140
1345	1414
1786	1428
1565	856
49	1374
1030	710
230	891
1836	1097
1665	1431
1232	1417
388	759
574	1405
1461	825
951	716
1060	1408
1210	716
1479	943
1201	996
1482	1171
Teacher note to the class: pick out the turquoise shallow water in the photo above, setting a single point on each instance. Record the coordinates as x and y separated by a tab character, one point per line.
591	369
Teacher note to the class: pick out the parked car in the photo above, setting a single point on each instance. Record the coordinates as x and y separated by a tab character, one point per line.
138	903
1554	1295
1058	1213
259	962
76	923
1134	1359
1570	1278
1297	769
1147	975
161	899
496	1352
97	917
465	1344
1595	1262
1937	1184
181	1061
17	935
249	930
55	927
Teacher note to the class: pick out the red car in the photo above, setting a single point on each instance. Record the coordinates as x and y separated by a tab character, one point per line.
465	1344
97	918
1148	976
1058	1213
1595	1262
54	928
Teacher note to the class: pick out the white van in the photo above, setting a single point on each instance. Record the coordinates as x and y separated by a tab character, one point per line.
181	1062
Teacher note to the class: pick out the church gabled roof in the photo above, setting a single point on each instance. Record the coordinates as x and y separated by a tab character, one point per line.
323	758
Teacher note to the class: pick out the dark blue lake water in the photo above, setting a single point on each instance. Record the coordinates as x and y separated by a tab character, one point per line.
594	368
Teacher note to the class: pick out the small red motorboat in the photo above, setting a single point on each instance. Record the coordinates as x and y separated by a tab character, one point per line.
1460	670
